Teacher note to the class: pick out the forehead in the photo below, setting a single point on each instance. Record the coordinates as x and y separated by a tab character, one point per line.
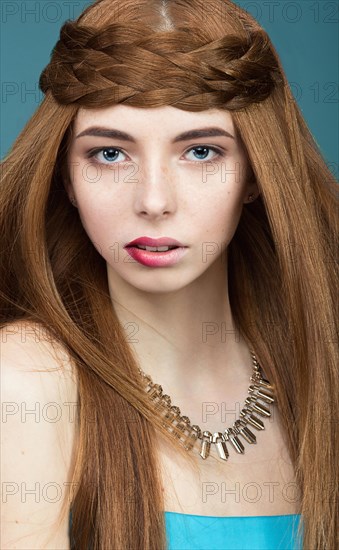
165	120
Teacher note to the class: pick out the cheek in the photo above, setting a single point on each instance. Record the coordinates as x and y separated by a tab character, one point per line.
219	215
102	227
101	213
95	227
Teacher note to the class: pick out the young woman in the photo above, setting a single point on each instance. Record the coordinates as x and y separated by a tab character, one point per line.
168	280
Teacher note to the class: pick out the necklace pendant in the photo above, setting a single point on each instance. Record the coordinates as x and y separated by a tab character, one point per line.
263	411
172	413
220	443
266	396
265	383
263	395
163	403
146	381
205	444
156	390
241	429
192	437
252	419
175	411
235	441
182	425
256	422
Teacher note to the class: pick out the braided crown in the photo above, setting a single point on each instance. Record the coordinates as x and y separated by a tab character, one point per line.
122	64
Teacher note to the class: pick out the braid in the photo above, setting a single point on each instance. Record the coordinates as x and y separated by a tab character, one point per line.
124	66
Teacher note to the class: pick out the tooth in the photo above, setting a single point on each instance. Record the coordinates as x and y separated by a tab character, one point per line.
154	248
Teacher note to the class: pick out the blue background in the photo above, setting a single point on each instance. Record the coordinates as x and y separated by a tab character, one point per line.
305	34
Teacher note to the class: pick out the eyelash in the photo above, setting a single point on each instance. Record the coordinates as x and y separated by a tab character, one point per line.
93	152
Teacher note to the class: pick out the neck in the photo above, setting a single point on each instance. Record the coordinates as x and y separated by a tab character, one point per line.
186	339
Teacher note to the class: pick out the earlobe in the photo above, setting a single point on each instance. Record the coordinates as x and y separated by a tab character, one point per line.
251	197
69	191
252	193
73	201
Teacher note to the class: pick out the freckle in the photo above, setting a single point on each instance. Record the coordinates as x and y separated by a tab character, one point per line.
22	452
16	521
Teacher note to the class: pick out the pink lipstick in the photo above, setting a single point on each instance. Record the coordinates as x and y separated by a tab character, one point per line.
152	252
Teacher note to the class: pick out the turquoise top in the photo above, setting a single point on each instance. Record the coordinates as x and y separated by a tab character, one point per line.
192	532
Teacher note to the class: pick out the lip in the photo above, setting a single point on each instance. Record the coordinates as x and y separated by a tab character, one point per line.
149	241
156	259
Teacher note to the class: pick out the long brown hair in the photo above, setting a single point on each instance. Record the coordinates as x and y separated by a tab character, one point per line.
282	258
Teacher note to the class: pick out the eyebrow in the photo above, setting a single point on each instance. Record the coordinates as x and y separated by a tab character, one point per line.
99	131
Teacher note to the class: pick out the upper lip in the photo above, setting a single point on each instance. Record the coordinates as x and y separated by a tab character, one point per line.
149	241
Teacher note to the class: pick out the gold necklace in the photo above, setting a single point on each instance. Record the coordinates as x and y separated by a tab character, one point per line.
260	389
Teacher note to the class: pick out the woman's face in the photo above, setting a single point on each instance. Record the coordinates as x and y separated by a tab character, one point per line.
158	173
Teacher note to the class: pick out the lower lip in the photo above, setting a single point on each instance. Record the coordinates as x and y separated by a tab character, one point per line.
156	259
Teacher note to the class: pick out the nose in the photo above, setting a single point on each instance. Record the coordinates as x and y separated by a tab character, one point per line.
155	194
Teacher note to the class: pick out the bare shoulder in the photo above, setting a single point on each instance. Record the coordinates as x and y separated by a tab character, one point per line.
39	402
23	340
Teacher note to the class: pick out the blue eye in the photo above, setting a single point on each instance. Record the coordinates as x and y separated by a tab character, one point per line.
203	149
109	154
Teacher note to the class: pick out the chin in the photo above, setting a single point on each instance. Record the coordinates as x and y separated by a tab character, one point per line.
158	281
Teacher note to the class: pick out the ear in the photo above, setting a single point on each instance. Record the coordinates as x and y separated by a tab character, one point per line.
251	192
67	183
